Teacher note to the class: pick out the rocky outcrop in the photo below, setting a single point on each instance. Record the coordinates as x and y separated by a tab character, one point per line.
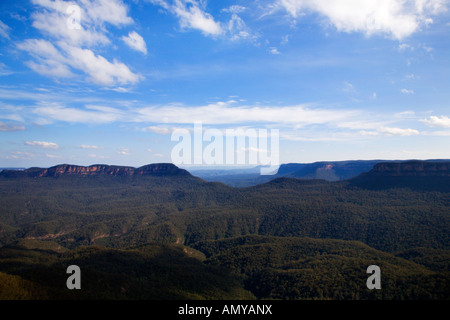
411	169
157	169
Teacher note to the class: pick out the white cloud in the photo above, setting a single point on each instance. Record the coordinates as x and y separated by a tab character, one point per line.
435	121
70	50
42	144
113	12
48	59
368	133
84	146
193	17
396	18
121	89
398	131
159	130
54	24
94	15
404	46
405	114
4	30
100	70
407	91
237	29
52	112
135	42
274	50
123	151
234	9
226	113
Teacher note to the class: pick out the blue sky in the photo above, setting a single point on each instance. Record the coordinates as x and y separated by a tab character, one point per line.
109	83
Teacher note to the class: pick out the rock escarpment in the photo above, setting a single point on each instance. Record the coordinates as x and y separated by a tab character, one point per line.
156	169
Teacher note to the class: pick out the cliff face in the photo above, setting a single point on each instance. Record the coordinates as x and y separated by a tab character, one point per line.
411	169
331	171
159	169
66	169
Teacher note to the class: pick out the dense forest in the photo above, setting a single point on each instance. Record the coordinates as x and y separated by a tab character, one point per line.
176	236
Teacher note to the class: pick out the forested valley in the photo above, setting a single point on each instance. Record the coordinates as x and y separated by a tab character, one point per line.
176	236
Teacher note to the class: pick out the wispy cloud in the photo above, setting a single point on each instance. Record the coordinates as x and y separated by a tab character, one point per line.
42	144
227	113
20	155
123	151
85	146
55	112
7	127
192	15
348	87
164	119
4	30
407	91
159	130
52	156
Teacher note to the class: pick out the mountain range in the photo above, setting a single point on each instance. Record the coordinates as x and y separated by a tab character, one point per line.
97	169
326	170
160	232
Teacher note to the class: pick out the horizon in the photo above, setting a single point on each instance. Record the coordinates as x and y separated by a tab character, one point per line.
221	167
92	81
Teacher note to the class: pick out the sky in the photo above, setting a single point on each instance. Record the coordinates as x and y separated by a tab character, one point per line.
108	81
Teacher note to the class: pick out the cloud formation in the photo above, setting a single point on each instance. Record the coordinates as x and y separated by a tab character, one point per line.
135	41
72	51
407	91
398	131
192	15
42	144
396	18
434	121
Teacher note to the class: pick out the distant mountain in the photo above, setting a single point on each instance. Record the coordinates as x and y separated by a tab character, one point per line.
12	168
157	169
411	169
429	175
324	170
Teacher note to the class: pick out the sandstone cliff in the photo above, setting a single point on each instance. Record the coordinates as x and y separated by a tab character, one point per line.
158	169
